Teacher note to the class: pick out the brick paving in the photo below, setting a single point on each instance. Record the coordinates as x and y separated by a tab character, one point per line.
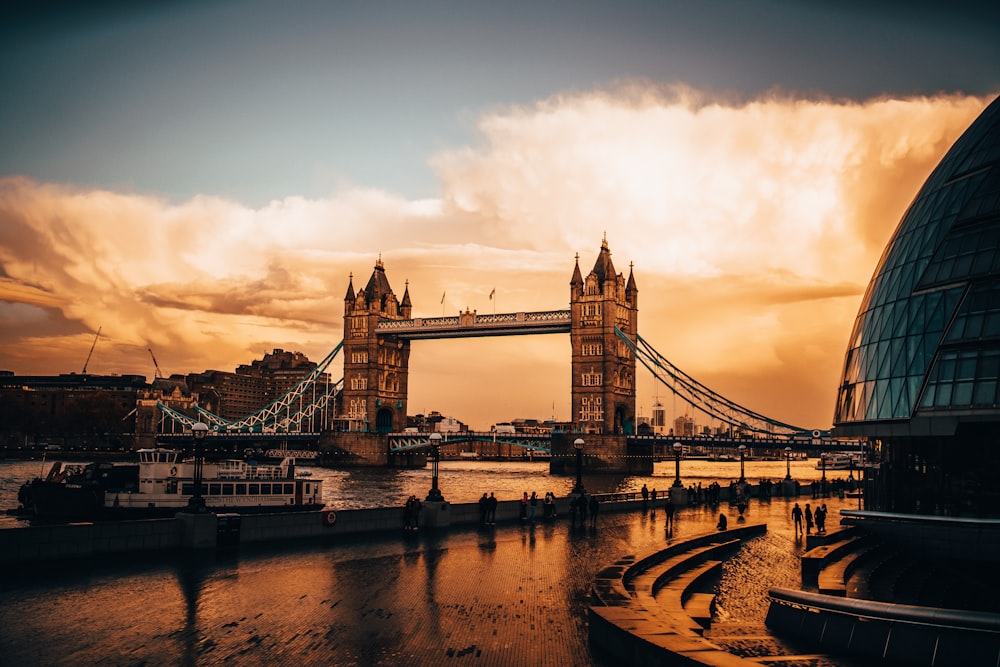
508	595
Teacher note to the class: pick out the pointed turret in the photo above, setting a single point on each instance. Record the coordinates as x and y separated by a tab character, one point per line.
631	291
350	296
604	268
576	282
405	305
378	287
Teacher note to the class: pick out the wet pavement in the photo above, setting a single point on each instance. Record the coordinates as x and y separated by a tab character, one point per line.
507	595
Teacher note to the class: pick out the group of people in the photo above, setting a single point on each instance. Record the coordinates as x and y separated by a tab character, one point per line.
488	510
581	506
411	513
819	517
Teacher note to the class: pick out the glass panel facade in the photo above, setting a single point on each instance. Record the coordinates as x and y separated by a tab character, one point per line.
927	335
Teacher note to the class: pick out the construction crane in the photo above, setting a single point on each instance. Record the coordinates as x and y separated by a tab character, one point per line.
91	350
158	374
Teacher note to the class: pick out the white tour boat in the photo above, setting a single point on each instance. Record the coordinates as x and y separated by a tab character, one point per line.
166	482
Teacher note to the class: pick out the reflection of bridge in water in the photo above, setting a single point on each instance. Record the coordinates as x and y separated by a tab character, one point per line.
365	412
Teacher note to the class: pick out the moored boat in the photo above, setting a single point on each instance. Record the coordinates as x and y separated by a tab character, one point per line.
840	461
163	483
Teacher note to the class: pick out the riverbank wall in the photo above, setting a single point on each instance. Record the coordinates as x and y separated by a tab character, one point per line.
55	542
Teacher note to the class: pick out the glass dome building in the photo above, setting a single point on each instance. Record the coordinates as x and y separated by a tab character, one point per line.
921	378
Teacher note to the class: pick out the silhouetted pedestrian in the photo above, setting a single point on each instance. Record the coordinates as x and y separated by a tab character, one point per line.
484	509
594	504
491	514
645	497
797	518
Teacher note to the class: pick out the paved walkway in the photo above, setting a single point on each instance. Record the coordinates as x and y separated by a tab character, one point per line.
509	595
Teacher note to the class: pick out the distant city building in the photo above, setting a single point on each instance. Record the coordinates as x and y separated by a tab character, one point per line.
253	386
659	420
921	377
684	426
95	407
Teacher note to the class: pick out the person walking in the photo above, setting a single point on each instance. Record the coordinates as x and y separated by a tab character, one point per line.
809	519
532	507
669	509
484	509
797	519
645	497
820	517
491	514
594	504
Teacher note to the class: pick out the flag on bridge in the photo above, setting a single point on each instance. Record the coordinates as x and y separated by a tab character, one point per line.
494	291
442	297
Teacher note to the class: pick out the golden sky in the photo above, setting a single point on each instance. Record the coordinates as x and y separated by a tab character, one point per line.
753	226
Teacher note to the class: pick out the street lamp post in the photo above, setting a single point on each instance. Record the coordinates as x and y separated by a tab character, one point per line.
788	463
435	493
578	446
198	431
743	451
678	448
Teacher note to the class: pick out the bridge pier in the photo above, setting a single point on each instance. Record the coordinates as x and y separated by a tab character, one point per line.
602	454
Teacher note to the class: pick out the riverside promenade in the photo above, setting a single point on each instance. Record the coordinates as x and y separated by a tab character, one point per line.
510	594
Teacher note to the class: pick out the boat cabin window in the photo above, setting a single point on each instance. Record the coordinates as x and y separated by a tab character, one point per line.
254	489
241	489
171	486
265	489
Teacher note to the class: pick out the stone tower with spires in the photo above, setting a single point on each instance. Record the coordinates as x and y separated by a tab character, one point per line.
376	368
603	365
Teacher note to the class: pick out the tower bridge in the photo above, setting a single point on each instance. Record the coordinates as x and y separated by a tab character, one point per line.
369	404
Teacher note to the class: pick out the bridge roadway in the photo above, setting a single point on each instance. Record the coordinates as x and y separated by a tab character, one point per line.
470	325
506	595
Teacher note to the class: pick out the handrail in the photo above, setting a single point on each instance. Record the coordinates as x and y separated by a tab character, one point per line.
887	611
968	522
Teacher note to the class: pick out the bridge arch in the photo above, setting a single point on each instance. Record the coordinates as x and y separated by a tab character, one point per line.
384	421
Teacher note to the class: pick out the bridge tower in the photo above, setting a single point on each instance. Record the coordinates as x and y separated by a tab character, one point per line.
603	366
376	368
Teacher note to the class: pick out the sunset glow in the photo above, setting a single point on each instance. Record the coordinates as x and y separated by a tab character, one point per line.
753	220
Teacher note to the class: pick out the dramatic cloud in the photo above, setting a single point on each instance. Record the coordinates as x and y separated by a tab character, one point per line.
754	227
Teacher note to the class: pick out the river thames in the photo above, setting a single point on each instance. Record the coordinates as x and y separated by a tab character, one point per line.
510	595
465	481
